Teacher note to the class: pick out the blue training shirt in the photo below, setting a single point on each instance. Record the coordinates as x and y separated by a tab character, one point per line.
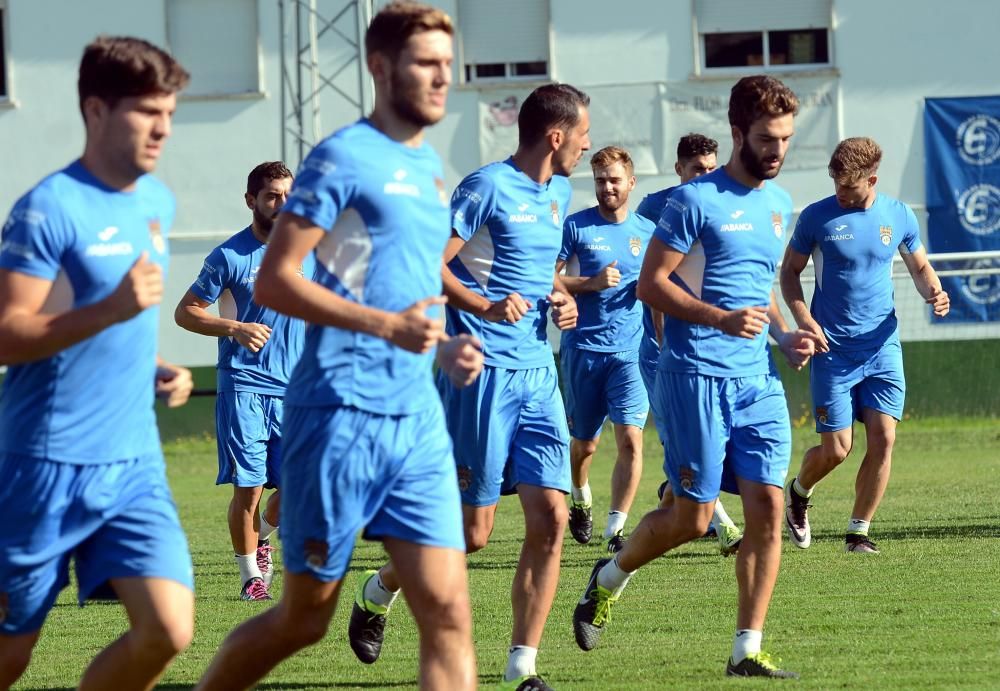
852	252
228	276
733	238
384	208
609	320
512	227
651	207
92	402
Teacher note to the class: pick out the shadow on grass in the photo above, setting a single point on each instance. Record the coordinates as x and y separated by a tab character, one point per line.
918	532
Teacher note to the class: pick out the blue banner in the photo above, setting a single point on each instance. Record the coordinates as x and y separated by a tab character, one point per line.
962	147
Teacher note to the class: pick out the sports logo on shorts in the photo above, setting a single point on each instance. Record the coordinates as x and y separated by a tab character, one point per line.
687	478
776	223
635	245
555	214
821	415
464	478
885	232
316	553
156	235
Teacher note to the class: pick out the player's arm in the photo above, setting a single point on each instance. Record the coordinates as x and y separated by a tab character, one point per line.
31	328
173	383
280	287
192	314
657	317
797	346
659	292
792	266
564	313
608	277
926	280
510	309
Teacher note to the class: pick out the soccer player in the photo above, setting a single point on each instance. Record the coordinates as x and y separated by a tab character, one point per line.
852	237
365	441
709	269
258	348
603	247
509	428
696	156
81	277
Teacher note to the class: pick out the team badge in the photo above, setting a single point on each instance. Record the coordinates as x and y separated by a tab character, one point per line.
776	223
156	236
687	478
555	214
442	194
635	245
464	478
885	232
821	415
316	553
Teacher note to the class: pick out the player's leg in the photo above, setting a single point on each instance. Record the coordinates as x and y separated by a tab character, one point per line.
15	654
758	455
299	619
437	592
242	511
161	625
628	408
583	386
270	510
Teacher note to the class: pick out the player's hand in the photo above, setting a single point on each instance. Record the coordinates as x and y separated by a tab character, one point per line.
252	336
461	358
608	277
510	309
798	346
563	310
413	330
748	322
140	288
940	301
818	335
173	384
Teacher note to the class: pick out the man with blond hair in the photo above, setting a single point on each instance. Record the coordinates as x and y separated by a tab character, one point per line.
858	371
709	269
602	251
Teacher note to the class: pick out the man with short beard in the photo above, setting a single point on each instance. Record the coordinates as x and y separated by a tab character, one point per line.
709	269
258	348
603	248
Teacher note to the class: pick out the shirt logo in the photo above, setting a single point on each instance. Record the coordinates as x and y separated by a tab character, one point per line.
555	214
635	245
159	244
399	174
114	249
108	233
840	227
776	223
522	208
837	237
442	195
736	227
885	232
598	238
736	214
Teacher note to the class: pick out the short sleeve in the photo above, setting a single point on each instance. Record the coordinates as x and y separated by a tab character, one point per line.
568	248
324	185
649	207
911	232
680	223
804	237
471	204
214	277
35	237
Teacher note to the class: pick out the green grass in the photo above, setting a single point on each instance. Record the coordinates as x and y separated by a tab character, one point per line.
923	614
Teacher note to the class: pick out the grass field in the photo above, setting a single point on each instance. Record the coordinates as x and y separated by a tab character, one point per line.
923	614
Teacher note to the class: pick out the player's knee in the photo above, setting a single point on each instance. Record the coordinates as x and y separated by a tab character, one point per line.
545	524
161	641
583	448
446	613
837	451
14	659
880	443
477	536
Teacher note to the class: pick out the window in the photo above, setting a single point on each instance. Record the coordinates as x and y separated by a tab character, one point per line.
199	31
781	34
3	49
503	41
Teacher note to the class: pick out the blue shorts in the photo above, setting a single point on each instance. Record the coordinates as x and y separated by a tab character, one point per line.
509	427
348	469
599	386
647	368
731	427
843	383
248	433
116	520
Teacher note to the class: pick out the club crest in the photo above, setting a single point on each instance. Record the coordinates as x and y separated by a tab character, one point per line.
156	236
442	194
555	214
635	245
885	232
776	223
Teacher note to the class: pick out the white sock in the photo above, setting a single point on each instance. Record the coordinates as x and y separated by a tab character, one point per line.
799	489
521	663
720	515
248	566
856	525
746	642
616	523
266	529
613	578
581	495
376	592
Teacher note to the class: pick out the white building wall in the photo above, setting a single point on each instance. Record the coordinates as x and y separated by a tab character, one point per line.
888	56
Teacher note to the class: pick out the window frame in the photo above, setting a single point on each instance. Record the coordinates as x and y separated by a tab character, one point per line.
6	98
466	69
704	69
